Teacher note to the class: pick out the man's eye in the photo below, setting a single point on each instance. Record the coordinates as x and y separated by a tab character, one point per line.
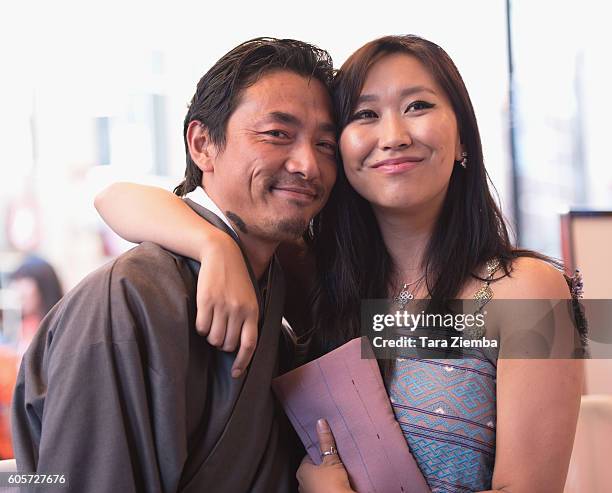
276	133
418	106
330	146
364	115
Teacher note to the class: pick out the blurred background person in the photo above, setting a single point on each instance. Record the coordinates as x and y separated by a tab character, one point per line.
37	288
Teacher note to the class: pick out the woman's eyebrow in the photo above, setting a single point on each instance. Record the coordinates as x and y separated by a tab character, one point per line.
408	91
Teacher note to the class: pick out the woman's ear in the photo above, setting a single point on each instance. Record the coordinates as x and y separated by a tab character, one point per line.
459	149
201	149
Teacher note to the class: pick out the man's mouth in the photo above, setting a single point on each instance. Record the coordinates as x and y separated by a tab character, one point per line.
300	194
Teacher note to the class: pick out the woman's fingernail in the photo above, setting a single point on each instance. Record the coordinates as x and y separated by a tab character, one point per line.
322	424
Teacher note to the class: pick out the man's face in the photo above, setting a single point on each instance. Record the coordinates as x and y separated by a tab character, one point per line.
279	162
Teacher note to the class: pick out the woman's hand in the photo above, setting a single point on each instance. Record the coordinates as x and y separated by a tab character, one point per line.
226	302
330	476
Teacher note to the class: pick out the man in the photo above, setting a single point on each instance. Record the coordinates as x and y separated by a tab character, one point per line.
118	391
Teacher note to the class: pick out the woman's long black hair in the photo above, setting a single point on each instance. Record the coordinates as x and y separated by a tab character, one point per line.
45	277
352	260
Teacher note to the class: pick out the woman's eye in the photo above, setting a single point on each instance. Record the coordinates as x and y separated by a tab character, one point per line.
364	115
418	106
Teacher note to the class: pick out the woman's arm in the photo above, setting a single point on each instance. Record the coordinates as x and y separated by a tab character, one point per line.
140	213
537	399
537	410
227	309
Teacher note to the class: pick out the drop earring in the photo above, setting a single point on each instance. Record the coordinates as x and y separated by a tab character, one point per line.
464	161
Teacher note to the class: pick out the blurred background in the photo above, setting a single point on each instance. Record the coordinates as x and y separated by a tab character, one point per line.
93	93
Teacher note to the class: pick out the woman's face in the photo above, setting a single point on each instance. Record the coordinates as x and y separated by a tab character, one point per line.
29	295
400	145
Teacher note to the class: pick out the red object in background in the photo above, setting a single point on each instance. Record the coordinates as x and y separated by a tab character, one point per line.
9	363
9	360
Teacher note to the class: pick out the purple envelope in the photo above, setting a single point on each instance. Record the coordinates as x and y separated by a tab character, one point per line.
348	391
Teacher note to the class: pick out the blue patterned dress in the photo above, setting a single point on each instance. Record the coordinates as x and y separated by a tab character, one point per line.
447	411
447	408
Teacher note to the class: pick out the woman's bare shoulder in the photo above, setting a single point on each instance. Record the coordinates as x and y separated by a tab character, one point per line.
531	278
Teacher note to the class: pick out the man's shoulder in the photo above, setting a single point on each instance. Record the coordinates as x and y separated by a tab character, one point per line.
148	259
147	273
143	287
145	263
150	268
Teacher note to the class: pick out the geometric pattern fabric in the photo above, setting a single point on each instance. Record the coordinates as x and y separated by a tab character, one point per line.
447	412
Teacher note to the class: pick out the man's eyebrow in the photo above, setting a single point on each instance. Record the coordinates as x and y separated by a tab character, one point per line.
365	98
282	117
328	128
289	119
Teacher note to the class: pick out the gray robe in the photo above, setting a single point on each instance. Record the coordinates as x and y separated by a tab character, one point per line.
119	393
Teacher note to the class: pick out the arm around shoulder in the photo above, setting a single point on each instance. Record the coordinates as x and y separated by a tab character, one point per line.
140	213
227	305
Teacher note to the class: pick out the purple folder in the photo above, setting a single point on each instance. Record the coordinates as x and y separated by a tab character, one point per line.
348	391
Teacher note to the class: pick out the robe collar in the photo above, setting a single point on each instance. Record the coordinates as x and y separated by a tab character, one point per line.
200	197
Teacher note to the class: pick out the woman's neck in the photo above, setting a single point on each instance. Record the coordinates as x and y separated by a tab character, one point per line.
406	235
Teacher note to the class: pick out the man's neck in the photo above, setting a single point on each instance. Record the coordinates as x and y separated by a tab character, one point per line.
258	252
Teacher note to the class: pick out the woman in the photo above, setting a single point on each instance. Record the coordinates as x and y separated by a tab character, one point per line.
411	216
38	289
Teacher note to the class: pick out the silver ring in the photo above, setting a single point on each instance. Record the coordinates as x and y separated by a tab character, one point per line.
332	451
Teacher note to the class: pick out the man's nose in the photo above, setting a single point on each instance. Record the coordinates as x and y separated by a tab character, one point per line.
304	161
394	133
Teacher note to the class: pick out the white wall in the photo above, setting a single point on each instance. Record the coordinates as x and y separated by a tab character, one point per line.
69	62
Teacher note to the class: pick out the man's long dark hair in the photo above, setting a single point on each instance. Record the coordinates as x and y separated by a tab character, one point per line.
352	260
218	91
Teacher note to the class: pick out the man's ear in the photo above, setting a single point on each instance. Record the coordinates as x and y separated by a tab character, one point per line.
201	149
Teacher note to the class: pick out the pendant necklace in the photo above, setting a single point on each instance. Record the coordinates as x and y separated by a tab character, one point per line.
405	295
